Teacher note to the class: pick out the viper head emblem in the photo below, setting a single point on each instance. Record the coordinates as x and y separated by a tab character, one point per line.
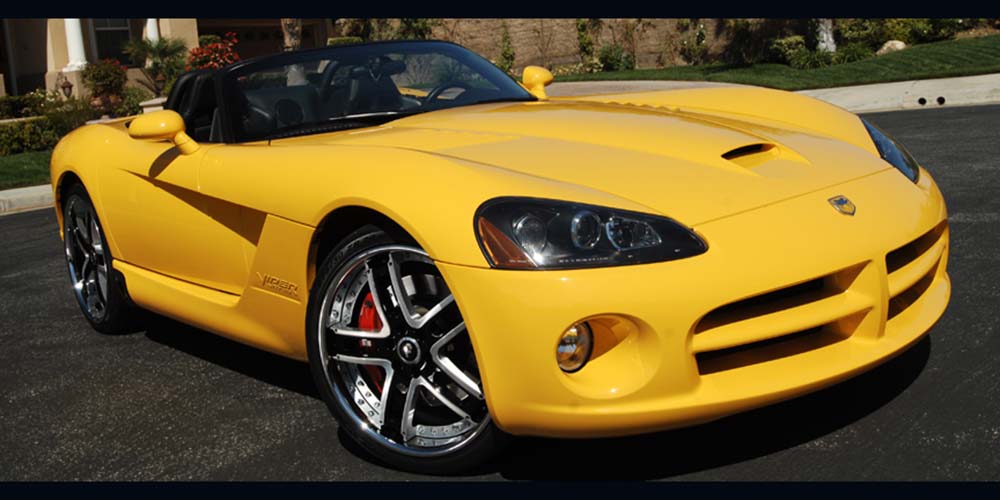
843	205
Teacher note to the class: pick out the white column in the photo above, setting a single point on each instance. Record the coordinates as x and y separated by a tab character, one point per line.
74	45
152	29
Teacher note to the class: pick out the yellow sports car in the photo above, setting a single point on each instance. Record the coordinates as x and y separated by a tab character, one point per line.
460	258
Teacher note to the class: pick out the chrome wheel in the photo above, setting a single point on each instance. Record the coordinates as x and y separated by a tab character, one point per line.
395	353
86	257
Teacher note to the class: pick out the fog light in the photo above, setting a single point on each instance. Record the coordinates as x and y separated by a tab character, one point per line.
575	347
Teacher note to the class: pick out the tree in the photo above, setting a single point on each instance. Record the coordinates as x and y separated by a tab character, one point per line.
292	31
507	55
824	36
160	61
544	36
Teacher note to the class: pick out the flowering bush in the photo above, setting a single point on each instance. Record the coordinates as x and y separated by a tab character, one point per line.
20	106
214	54
105	77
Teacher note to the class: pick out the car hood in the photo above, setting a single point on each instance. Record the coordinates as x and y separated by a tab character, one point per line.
689	166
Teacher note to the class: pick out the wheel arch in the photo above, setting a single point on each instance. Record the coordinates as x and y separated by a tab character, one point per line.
341	222
63	184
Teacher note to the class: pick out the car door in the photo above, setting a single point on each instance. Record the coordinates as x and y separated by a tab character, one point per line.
160	221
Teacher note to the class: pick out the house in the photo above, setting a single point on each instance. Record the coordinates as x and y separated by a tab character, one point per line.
41	53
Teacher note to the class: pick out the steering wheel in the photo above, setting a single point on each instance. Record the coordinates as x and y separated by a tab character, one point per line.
437	91
327	80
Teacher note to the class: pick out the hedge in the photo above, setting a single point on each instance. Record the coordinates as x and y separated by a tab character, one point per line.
20	106
36	134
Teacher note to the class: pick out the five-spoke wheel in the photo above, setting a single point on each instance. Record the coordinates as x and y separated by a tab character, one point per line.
393	356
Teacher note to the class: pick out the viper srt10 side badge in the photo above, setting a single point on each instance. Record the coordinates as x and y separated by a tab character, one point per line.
843	205
279	285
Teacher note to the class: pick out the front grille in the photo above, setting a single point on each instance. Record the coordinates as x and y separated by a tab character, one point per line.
766	350
781	322
912	268
818	312
900	257
767	303
907	297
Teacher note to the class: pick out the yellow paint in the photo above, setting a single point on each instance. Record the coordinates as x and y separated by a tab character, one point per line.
535	79
197	236
163	125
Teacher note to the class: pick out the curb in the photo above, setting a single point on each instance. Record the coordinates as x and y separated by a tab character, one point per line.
913	94
935	93
25	199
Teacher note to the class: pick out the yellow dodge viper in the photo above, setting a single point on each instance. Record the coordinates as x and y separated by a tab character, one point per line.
460	258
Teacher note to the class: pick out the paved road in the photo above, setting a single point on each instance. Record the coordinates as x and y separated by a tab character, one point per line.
177	403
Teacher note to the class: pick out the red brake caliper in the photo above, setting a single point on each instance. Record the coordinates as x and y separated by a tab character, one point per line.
368	320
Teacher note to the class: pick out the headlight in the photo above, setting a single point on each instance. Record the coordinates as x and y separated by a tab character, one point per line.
531	233
893	152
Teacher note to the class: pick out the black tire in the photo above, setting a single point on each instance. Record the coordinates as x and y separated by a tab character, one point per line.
485	443
116	314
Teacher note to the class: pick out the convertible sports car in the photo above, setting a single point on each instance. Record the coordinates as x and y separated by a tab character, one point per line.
461	258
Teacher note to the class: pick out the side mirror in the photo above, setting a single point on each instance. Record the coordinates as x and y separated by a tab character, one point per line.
535	78
163	125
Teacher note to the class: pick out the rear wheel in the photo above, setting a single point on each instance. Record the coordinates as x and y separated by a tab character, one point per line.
98	289
392	358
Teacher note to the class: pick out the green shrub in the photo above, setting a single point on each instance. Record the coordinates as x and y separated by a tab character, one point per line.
65	114
852	52
104	77
204	40
751	40
694	48
131	100
20	106
810	59
507	55
414	28
614	58
584	41
940	29
58	116
783	49
875	32
28	135
343	40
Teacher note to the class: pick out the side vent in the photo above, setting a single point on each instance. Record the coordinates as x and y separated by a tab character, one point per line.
751	155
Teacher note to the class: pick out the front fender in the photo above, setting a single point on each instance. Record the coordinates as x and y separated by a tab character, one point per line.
434	198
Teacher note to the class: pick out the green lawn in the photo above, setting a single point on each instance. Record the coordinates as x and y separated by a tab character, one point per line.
969	56
24	169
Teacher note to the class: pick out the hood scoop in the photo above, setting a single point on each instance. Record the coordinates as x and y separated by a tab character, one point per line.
751	155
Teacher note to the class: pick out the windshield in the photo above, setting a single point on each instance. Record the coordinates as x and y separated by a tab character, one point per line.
363	85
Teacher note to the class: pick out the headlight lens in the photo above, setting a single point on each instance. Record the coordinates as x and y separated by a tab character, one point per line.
532	233
893	152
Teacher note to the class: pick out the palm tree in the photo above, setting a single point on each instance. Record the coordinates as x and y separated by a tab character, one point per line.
160	61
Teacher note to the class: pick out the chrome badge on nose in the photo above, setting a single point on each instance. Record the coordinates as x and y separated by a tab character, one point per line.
843	205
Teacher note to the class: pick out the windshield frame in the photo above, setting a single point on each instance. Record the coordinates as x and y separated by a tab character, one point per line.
229	90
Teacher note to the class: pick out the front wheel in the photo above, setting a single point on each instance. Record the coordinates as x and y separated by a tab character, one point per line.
99	291
392	359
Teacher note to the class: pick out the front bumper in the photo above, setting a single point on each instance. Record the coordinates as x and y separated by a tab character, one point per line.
668	354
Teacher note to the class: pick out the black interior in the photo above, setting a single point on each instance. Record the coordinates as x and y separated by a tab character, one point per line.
194	98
